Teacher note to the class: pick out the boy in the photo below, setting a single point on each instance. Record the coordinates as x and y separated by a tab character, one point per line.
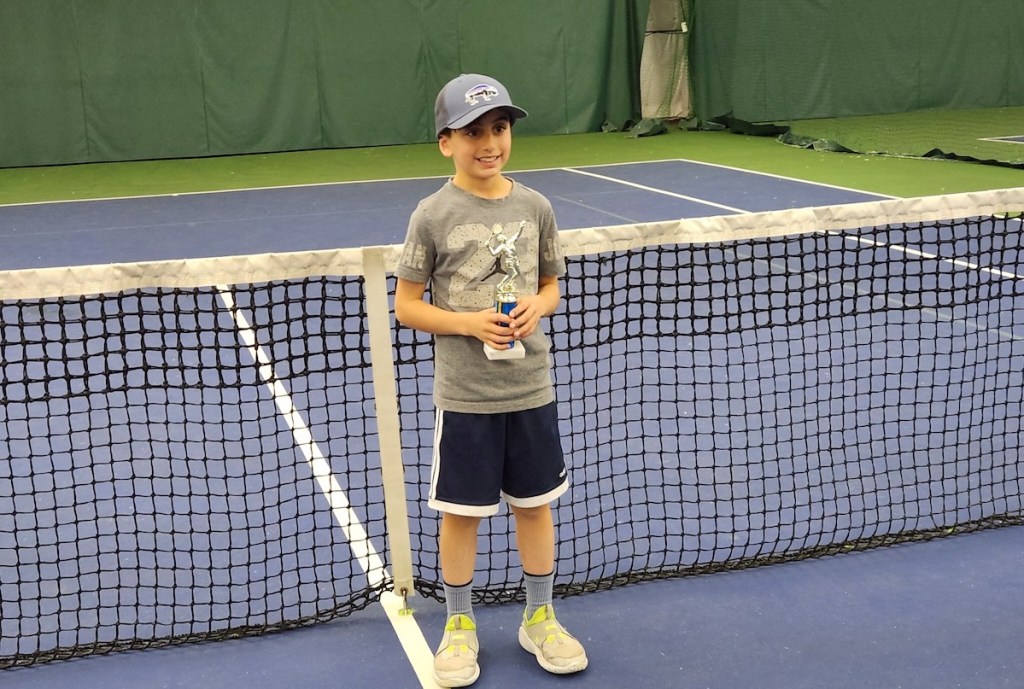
496	431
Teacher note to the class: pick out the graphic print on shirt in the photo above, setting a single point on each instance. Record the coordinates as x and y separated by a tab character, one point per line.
473	283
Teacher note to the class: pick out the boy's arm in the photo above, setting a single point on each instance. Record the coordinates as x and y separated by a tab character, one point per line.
411	311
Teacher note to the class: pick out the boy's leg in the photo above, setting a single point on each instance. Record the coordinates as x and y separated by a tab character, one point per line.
455	663
535	538
457	545
541	634
465	487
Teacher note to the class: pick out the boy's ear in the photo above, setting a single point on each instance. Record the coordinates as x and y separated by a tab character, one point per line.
444	144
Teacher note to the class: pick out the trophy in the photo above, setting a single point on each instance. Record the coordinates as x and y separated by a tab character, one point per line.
506	293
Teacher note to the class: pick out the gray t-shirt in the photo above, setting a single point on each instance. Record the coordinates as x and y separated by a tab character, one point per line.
447	246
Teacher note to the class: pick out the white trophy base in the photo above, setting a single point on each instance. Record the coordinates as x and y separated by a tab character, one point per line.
517	352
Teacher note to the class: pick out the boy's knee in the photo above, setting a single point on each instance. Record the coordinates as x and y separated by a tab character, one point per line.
461	521
525	513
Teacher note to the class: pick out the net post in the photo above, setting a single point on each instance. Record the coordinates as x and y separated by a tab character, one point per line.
386	403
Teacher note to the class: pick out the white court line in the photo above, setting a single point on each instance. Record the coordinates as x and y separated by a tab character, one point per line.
822	279
654	190
1005	139
894	247
719	166
406	629
924	254
367	556
419	654
1003	274
774	175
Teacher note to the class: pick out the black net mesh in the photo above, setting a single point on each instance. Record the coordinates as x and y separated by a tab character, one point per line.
724	405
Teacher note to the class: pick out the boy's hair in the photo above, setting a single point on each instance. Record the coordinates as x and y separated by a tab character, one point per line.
466	98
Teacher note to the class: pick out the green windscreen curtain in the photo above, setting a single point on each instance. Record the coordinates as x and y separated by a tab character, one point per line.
800	59
143	89
42	116
103	80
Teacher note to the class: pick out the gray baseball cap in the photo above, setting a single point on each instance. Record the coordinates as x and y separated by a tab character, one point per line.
467	97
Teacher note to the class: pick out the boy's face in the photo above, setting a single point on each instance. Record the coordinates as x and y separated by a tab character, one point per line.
479	150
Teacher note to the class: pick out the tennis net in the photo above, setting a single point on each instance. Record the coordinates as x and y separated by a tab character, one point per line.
206	449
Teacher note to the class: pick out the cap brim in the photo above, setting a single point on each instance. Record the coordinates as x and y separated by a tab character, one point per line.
514	111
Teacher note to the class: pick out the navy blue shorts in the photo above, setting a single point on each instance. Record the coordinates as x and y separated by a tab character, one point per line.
480	459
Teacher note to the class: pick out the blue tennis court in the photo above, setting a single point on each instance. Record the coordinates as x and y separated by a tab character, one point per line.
913	615
368	213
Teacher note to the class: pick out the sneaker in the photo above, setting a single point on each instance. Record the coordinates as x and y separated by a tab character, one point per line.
455	661
556	650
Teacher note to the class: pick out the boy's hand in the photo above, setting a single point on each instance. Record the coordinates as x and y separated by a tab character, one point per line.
490	327
526	315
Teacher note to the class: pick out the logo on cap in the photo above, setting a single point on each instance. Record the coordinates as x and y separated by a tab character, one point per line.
481	92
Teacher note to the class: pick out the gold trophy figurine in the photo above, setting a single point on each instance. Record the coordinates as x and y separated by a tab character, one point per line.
506	294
